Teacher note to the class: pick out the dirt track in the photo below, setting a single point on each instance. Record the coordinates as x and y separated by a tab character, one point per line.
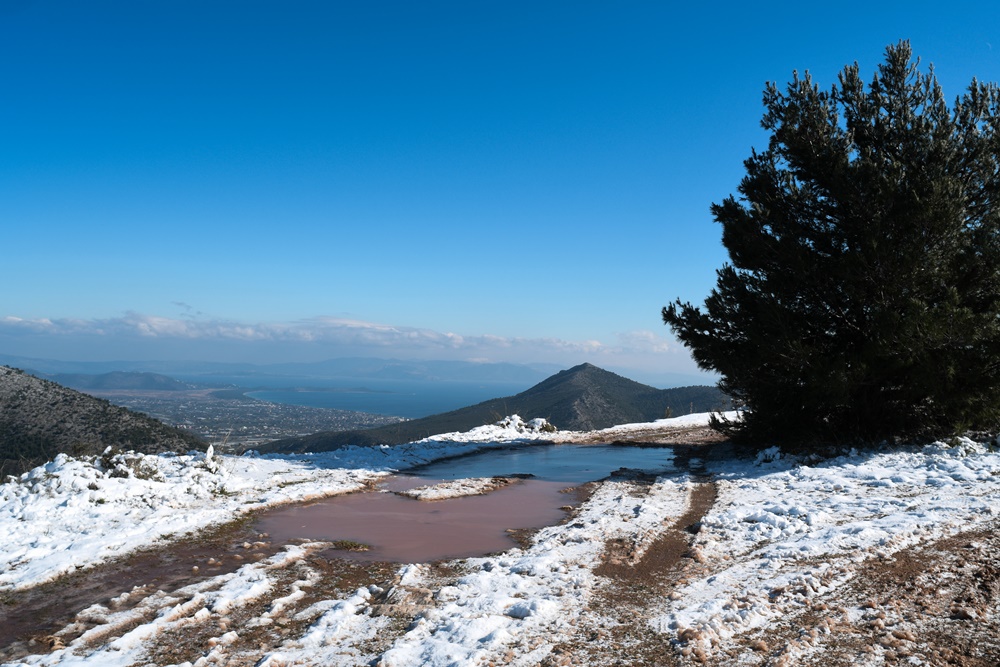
936	604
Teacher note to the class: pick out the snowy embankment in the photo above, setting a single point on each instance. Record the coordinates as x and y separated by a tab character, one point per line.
71	513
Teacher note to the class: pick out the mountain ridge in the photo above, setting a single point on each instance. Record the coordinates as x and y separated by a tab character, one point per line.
584	397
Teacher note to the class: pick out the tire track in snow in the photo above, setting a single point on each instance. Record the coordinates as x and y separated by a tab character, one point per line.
636	576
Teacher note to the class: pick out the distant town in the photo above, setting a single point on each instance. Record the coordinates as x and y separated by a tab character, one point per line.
231	421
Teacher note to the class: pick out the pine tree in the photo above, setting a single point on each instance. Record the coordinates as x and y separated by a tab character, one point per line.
862	297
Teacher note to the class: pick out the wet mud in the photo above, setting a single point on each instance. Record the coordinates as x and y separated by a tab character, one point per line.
401	529
29	616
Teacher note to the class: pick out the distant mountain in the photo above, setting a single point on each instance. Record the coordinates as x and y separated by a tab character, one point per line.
39	419
119	380
257	374
584	397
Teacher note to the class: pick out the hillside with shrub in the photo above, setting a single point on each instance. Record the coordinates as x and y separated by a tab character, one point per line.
39	419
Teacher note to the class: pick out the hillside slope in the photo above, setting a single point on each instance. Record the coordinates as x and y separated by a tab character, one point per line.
584	397
39	419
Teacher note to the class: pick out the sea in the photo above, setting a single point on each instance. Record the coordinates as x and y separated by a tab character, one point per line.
400	398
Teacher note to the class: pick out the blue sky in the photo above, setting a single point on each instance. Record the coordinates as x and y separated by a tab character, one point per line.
505	181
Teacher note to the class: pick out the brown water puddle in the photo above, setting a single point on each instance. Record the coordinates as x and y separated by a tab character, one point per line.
401	529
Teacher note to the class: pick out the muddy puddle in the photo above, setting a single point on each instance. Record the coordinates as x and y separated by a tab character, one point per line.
390	527
401	529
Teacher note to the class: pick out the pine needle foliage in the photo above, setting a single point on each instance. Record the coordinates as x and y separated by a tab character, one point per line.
862	297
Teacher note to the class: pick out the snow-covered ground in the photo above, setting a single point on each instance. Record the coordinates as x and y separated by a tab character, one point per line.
783	532
784	536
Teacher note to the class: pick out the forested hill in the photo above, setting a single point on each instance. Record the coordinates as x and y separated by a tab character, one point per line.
584	397
39	419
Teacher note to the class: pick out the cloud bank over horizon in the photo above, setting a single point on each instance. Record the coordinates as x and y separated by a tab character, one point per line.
138	336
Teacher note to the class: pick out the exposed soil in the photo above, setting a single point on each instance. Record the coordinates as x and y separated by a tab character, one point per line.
29	616
935	604
628	566
329	578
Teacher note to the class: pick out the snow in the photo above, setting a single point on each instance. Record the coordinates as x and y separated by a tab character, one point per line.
692	420
457	488
783	530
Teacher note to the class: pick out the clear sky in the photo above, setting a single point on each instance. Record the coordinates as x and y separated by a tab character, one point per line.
507	181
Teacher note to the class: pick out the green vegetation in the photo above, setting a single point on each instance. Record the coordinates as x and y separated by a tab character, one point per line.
863	297
349	545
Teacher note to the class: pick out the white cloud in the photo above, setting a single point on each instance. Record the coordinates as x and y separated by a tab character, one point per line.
325	337
645	341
